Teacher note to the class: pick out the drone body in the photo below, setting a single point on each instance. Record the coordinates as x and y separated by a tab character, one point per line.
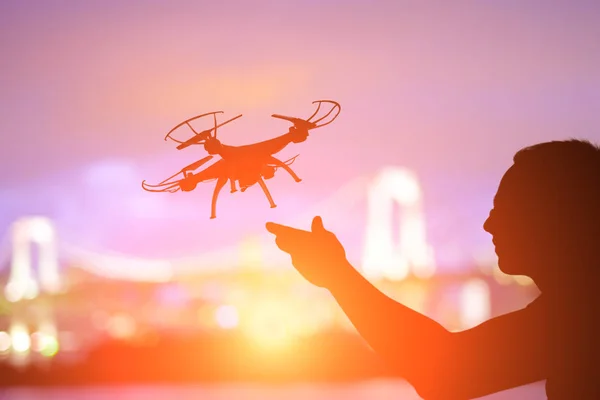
246	165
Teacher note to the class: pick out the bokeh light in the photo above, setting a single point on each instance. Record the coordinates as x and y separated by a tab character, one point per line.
227	317
474	302
50	348
21	341
5	342
121	326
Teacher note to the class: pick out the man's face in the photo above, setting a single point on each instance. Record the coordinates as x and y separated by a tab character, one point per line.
522	230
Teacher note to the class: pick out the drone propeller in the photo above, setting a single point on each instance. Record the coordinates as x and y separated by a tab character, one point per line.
202	136
198	136
307	123
198	139
187	122
169	185
287	162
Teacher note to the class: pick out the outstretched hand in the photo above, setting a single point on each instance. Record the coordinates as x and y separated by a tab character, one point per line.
317	254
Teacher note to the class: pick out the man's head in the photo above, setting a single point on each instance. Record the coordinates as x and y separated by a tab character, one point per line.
545	221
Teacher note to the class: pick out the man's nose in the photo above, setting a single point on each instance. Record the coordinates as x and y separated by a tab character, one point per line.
488	224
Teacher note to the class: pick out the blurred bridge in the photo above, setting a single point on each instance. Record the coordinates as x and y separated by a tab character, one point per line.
395	249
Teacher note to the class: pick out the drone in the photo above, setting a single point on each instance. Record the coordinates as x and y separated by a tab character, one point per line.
242	166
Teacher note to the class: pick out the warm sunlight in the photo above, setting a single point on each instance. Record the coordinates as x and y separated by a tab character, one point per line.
269	324
175	224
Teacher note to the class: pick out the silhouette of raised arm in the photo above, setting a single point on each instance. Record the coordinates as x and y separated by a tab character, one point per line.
501	353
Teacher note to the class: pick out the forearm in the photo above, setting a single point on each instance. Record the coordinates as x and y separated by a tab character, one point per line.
405	339
496	355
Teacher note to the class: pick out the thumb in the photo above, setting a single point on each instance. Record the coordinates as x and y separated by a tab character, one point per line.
317	225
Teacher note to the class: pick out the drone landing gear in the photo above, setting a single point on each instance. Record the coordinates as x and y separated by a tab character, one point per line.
263	186
281	164
213	208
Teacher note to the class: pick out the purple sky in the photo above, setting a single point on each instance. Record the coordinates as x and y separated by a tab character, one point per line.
89	89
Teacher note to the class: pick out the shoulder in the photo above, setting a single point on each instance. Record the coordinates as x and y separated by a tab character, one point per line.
540	307
537	303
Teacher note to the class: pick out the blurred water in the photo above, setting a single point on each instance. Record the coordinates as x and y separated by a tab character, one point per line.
368	390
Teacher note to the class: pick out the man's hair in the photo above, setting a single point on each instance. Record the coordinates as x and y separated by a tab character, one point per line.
563	153
566	173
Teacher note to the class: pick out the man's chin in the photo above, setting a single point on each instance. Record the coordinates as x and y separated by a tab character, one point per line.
511	267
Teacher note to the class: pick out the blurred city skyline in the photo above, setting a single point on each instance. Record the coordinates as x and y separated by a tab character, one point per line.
449	91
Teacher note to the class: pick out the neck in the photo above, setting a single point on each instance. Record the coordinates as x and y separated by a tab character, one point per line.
572	284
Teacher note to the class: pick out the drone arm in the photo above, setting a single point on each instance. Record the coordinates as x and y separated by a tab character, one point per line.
197	164
298	122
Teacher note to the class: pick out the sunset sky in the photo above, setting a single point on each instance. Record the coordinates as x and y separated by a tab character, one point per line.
450	90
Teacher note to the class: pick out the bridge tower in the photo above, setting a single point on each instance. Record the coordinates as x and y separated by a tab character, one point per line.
387	255
24	234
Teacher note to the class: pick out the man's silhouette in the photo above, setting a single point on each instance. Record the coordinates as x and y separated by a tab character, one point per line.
545	223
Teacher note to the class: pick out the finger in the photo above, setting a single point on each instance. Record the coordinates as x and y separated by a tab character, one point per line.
273	227
278	229
317	225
